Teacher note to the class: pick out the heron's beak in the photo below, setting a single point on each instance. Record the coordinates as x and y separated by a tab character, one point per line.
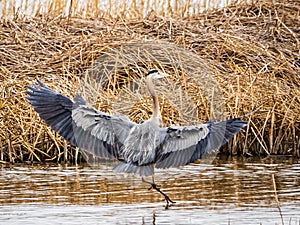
162	75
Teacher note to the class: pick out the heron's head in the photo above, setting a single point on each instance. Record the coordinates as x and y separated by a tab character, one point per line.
155	74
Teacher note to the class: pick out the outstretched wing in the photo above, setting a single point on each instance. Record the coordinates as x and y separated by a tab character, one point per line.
184	145
96	132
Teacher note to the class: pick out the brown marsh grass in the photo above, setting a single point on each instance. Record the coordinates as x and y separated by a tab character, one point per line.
112	8
253	50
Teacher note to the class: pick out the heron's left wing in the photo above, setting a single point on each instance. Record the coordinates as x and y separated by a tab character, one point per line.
185	144
97	132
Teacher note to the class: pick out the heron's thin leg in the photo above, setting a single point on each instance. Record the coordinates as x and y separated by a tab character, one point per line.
154	186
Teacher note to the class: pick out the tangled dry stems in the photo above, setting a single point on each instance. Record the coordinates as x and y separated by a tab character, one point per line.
253	50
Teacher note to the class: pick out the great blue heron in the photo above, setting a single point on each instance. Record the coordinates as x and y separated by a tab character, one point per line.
139	147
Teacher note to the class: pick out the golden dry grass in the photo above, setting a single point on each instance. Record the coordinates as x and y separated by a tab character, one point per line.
253	50
112	8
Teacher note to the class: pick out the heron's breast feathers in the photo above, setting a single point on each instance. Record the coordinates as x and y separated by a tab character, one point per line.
141	143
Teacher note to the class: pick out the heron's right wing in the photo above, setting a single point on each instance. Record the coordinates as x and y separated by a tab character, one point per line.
185	144
96	132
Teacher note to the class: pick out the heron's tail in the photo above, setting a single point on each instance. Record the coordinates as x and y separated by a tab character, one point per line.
143	171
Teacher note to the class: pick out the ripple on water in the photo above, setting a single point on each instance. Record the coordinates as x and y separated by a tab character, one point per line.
235	192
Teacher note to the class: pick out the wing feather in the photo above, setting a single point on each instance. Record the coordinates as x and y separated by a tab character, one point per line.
184	145
183	137
94	131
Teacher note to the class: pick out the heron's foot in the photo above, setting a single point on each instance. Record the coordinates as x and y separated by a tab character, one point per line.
167	198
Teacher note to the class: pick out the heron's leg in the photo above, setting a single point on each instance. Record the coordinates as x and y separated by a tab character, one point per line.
154	186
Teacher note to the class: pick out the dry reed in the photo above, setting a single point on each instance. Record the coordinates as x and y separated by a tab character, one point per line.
276	198
253	50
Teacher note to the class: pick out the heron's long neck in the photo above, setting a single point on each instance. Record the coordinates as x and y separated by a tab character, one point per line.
150	86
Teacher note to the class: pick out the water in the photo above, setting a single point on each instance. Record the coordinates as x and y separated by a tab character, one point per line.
235	191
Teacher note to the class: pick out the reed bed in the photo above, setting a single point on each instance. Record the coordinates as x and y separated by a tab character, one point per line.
252	50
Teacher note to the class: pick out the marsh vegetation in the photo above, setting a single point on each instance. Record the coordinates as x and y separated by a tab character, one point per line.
252	50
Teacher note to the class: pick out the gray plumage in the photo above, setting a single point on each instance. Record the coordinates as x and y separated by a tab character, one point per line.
139	147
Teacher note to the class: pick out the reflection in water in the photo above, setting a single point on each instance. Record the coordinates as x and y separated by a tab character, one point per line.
234	191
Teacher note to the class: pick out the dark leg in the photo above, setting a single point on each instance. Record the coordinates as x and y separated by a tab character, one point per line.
154	186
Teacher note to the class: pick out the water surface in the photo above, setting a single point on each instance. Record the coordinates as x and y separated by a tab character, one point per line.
234	191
